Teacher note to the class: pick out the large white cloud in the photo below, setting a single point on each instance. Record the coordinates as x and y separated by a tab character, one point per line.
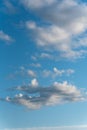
65	22
37	97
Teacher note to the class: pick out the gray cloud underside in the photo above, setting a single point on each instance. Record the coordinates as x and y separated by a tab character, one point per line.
36	97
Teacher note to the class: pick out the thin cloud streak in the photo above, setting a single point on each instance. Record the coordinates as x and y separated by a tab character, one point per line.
5	37
76	127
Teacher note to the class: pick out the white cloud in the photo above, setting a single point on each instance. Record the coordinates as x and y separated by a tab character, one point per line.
30	25
67	22
5	37
37	3
37	97
57	72
31	73
34	83
46	55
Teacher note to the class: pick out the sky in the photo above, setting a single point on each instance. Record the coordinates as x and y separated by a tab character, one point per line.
43	64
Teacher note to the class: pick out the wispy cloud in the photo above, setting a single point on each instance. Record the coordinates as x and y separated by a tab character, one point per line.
34	97
76	127
31	73
9	6
36	65
37	3
5	37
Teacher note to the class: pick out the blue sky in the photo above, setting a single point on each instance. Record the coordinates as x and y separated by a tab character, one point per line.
43	57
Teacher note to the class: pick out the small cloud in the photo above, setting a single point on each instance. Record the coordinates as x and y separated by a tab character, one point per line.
46	55
34	83
70	71
30	25
36	4
5	37
34	58
31	73
9	7
37	65
57	72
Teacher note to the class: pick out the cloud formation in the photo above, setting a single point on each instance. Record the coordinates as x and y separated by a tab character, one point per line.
5	37
65	23
57	72
31	73
35	97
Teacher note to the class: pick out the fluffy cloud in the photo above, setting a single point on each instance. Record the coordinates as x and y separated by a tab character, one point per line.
36	97
5	37
34	83
66	21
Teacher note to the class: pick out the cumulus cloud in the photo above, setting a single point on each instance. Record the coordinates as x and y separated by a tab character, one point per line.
34	83
5	37
37	97
65	22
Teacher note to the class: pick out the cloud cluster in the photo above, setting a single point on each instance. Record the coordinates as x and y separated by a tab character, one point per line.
57	72
41	73
65	25
22	72
35	97
5	37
